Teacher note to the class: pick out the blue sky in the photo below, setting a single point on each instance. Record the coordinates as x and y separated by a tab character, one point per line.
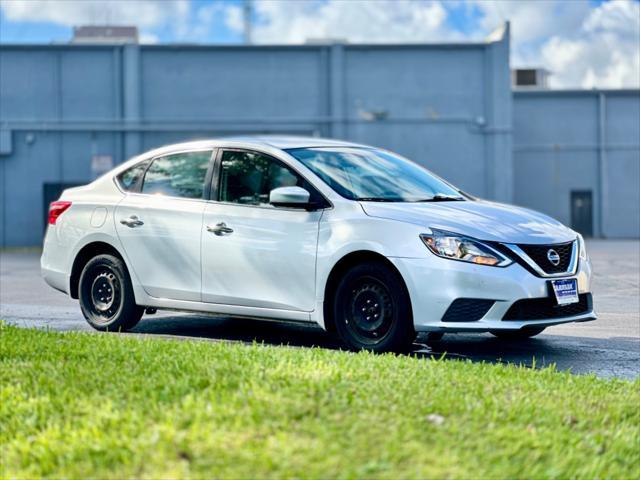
38	30
585	43
463	17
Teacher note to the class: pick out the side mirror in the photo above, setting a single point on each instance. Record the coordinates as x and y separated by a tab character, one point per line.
295	197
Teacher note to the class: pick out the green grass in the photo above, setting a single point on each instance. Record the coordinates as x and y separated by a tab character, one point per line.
114	406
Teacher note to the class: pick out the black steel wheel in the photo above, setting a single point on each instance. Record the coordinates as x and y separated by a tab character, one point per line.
368	313
522	334
106	296
372	309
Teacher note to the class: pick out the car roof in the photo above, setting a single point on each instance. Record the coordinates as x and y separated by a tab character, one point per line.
285	142
280	142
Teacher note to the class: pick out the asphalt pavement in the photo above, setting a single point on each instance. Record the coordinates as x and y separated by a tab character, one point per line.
607	347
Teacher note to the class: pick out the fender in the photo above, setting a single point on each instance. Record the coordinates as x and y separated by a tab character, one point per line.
338	239
113	242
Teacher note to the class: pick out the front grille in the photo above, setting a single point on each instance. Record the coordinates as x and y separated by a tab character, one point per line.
467	310
547	308
539	254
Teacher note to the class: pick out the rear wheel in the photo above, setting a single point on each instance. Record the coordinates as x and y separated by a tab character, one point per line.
106	295
372	310
518	334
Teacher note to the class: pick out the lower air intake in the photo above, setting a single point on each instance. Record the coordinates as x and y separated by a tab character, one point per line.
547	309
467	310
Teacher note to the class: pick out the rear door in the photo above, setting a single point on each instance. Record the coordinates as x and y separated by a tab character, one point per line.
159	225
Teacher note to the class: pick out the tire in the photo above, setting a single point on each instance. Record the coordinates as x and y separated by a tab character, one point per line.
106	295
522	334
372	309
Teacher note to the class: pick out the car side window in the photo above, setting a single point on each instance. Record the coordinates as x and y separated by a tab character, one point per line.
178	175
248	177
130	179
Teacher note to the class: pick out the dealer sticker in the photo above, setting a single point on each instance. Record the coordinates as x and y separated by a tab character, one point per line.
566	291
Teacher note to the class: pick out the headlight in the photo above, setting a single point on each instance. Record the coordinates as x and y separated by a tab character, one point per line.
582	248
465	249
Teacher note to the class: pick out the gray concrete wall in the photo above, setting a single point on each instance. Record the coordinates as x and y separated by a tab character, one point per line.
446	106
580	140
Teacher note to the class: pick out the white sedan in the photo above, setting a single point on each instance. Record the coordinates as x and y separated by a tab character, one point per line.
359	240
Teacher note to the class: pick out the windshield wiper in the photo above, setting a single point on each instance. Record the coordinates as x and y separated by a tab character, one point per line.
443	198
377	199
436	198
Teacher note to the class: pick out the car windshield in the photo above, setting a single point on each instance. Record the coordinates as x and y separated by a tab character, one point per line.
374	175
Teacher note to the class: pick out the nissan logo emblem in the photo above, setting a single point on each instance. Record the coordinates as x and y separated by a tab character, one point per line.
553	257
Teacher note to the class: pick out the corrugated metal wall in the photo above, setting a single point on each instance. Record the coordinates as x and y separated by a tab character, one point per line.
446	106
580	141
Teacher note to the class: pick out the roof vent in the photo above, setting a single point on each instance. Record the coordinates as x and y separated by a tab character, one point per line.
530	77
104	34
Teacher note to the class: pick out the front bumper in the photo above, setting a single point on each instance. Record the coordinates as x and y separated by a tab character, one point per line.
434	283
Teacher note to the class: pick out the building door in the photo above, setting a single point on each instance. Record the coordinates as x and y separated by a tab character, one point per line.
582	212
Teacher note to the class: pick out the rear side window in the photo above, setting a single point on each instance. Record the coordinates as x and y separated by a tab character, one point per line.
178	175
131	179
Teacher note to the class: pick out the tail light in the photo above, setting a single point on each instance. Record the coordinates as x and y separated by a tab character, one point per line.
56	209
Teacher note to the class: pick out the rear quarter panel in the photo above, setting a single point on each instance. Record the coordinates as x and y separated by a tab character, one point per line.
89	219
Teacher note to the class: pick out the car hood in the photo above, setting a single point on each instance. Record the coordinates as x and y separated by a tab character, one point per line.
478	219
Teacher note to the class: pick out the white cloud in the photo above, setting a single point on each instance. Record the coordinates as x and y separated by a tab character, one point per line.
143	13
356	21
603	52
234	18
149	38
533	19
582	44
205	17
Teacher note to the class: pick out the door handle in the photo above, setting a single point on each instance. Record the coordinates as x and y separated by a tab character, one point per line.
132	222
220	229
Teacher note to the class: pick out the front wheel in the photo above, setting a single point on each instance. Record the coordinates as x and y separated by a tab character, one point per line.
517	334
106	295
372	309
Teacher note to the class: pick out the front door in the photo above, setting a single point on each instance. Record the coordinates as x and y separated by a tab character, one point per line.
159	227
255	254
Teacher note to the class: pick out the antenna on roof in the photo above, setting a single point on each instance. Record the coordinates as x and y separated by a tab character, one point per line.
247	9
